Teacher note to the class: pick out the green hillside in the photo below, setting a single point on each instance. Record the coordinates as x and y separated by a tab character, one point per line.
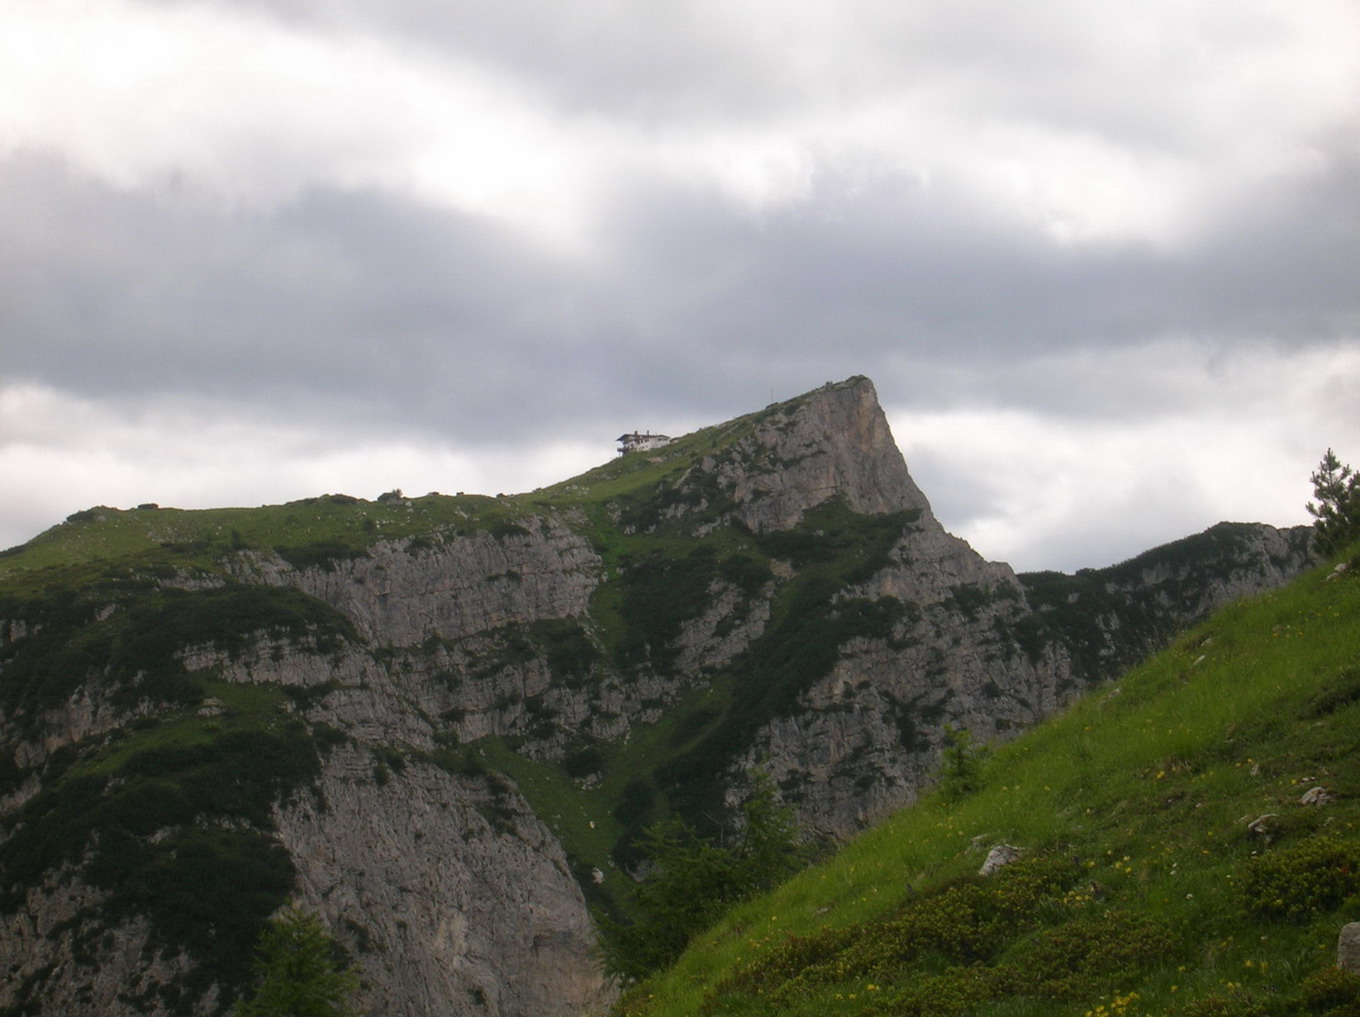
1142	890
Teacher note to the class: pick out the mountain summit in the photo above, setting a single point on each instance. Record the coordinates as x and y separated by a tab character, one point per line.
442	723
832	442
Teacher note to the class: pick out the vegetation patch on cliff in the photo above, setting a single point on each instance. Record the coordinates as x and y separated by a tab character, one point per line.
810	621
126	637
171	821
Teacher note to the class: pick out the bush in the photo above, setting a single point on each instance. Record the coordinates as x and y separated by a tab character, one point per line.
1233	1004
1331	993
1084	954
584	762
1296	883
959	928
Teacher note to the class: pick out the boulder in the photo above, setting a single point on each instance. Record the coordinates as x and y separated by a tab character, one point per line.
999	857
1348	948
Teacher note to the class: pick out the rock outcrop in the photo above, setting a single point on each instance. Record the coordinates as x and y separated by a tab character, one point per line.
832	442
443	887
401	594
1108	619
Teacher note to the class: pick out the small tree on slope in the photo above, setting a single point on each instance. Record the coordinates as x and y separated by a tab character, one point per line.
694	879
1336	513
297	974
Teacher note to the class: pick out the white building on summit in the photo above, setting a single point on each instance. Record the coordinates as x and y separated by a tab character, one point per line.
636	442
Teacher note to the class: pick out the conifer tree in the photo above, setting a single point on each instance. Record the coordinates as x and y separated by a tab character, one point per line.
297	973
694	879
1336	513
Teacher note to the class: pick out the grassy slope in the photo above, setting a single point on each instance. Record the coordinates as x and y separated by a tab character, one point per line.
340	522
1146	893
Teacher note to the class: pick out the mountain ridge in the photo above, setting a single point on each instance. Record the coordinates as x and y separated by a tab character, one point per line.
553	670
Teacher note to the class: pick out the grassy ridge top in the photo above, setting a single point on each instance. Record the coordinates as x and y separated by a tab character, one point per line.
1143	890
197	536
201	536
340	521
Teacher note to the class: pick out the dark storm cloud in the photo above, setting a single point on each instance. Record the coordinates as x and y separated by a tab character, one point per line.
895	276
378	306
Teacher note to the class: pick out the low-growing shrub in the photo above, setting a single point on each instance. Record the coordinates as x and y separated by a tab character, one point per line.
1331	992
956	991
322	554
583	762
1078	957
1232	1003
1299	881
958	928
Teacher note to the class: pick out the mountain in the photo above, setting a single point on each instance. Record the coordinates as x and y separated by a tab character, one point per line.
1182	842
441	723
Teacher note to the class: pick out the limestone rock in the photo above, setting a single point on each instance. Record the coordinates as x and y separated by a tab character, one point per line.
398	595
441	887
1262	826
1348	948
867	737
92	982
999	857
790	458
834	441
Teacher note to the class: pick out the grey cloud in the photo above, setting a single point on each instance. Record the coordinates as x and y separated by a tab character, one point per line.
1139	75
393	308
891	269
674	60
375	306
634	61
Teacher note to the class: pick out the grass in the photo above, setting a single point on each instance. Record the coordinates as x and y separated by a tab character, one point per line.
200	538
1147	895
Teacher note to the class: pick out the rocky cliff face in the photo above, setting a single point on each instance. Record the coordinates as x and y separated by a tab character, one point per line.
1108	619
451	587
448	892
455	895
832	442
865	738
441	727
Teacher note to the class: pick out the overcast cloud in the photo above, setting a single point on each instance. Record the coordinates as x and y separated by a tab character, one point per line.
1102	262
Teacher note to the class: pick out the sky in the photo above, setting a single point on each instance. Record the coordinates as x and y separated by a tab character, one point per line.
1101	261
